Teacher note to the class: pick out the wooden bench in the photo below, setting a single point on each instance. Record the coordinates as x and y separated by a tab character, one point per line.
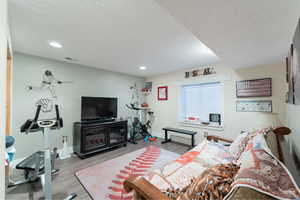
181	131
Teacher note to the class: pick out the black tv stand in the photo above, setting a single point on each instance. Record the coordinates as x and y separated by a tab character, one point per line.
98	121
92	137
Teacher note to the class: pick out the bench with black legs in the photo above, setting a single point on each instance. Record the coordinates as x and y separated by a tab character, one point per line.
185	132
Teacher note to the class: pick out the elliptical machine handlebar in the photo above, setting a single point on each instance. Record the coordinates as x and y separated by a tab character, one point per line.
31	125
37	113
132	107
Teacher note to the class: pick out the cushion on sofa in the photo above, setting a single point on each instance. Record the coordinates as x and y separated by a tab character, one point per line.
262	171
256	141
237	146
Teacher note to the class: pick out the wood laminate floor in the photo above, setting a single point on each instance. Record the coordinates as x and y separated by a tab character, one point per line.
66	182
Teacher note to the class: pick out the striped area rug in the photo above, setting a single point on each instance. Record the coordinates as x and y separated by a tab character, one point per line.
105	180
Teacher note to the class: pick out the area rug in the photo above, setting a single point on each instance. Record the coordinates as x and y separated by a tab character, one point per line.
105	180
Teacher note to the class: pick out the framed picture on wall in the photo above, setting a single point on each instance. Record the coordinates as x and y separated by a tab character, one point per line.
290	77
296	65
162	93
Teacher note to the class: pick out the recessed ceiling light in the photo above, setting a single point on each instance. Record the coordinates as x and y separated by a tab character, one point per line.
143	67
55	44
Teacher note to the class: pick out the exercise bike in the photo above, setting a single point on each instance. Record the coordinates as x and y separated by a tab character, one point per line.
41	165
140	129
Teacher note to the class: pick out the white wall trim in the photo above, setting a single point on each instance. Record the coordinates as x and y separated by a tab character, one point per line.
3	66
199	126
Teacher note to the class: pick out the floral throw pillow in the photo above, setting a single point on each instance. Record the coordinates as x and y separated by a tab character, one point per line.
240	143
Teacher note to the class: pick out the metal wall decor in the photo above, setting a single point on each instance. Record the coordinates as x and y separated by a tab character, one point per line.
254	106
200	72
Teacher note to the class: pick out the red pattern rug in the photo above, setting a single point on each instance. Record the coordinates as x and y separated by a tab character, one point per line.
105	180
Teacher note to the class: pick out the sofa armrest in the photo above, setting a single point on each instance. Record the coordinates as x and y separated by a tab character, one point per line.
242	193
143	188
217	139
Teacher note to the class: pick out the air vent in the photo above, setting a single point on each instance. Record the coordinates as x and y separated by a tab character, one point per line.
70	59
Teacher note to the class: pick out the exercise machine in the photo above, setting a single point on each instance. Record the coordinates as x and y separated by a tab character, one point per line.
41	165
142	119
141	129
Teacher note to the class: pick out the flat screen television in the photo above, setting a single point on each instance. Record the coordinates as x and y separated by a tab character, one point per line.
98	108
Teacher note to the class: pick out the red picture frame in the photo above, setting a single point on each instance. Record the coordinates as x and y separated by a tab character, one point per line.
162	93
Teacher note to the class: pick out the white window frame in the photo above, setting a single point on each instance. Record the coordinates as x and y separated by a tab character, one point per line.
181	101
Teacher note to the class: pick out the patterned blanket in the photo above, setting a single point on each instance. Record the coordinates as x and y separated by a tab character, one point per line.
259	169
262	171
179	173
213	183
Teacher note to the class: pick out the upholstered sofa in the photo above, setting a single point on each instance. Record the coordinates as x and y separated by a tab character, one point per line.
153	185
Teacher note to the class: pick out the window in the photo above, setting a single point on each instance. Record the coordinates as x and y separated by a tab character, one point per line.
198	101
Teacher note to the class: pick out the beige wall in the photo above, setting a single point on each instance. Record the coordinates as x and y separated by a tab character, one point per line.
87	81
166	112
3	51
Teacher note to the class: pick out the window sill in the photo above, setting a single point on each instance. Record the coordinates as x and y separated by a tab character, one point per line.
214	127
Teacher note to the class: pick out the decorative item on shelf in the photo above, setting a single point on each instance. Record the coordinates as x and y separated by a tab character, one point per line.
215	118
148	85
145	91
200	72
192	119
205	123
254	88
162	93
144	105
254	106
187	74
195	73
